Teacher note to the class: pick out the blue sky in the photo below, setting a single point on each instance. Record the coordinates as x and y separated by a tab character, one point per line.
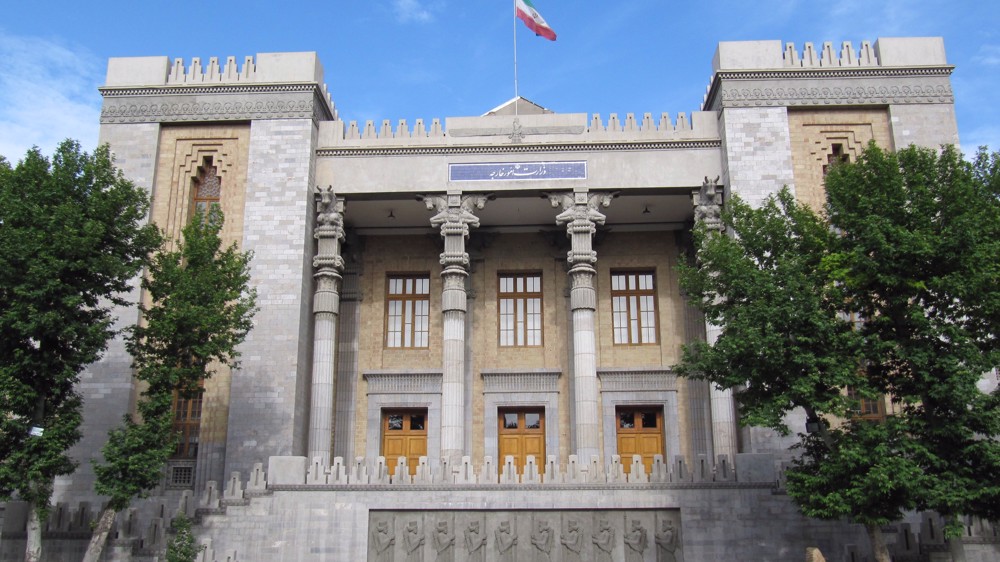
408	59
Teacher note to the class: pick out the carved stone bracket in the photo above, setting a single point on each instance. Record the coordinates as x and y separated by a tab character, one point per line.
707	202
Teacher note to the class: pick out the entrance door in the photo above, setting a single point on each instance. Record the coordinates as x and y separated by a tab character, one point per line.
522	433
404	434
640	432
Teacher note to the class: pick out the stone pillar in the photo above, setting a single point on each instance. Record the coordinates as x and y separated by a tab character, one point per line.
454	217
581	217
328	263
707	202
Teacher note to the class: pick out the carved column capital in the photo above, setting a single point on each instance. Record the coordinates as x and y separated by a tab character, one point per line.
581	216
707	201
328	262
454	217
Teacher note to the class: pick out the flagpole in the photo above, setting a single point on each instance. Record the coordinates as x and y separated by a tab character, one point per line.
515	58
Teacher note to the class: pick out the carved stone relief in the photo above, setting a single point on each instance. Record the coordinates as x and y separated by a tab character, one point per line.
526	536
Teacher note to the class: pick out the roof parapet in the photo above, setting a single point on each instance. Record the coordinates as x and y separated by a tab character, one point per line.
884	52
558	127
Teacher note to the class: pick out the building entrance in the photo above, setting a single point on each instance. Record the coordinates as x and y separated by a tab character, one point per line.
404	434
640	432
522	433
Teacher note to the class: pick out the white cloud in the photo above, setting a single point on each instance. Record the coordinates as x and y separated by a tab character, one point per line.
986	135
48	92
988	55
411	11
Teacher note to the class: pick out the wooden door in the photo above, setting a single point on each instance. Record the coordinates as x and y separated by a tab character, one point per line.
640	432
522	433
404	434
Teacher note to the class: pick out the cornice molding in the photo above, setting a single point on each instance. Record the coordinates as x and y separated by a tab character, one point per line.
637	379
184	90
439	150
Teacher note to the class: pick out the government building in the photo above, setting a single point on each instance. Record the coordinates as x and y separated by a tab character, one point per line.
468	327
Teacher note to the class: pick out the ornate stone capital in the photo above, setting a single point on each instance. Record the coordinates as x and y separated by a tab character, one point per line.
707	201
454	217
329	214
581	217
328	262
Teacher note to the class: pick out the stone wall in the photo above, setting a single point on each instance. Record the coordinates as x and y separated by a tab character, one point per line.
313	513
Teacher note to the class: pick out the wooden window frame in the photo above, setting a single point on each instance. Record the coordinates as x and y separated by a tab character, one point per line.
521	331
635	328
186	421
407	331
869	409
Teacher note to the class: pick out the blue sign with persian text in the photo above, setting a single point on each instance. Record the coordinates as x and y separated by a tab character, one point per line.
518	171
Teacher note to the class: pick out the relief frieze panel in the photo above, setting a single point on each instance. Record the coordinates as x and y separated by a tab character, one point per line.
832	91
212	107
526	536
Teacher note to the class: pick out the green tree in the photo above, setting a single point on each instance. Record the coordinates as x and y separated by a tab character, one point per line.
911	247
919	260
201	310
182	547
785	341
71	238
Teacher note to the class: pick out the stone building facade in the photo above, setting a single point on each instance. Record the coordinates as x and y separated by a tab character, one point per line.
467	327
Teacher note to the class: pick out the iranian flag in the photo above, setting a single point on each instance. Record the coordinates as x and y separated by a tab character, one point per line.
531	18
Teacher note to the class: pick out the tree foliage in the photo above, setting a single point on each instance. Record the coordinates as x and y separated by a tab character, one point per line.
72	236
784	342
200	310
182	547
895	291
919	259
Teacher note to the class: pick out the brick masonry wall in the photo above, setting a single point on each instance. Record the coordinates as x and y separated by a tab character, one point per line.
756	151
815	131
929	125
269	394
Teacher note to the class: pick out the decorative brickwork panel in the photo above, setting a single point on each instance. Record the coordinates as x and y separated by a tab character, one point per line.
816	134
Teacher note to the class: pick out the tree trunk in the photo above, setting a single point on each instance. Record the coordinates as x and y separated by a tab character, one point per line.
879	548
100	536
33	544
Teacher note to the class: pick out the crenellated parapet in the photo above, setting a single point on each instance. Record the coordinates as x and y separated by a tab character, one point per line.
754	470
268	86
890	71
522	132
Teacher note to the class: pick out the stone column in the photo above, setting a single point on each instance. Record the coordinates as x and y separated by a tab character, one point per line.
328	263
454	217
707	202
581	217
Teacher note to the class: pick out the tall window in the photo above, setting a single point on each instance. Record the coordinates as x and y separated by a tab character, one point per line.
207	188
187	424
407	310
520	305
633	307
